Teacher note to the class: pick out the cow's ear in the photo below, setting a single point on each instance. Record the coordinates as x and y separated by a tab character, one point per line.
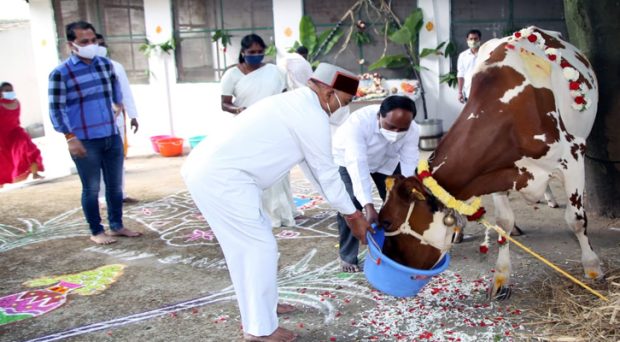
411	189
417	194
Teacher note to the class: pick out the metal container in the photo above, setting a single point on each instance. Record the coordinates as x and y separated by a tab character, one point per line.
431	131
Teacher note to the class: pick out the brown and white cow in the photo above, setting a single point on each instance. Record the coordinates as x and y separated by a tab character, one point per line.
532	104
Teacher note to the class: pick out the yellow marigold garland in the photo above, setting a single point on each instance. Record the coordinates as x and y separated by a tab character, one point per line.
441	194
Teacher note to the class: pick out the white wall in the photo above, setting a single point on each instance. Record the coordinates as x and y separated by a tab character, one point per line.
286	17
17	69
441	100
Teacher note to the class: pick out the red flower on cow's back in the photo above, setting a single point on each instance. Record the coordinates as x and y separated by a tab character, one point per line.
532	38
580	100
574	85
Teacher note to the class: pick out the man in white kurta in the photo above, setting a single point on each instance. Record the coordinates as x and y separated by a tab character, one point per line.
466	63
227	175
130	109
375	142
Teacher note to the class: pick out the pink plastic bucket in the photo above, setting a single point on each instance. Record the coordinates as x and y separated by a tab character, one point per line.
154	140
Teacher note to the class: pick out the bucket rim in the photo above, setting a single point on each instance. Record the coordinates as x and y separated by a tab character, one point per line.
158	137
373	246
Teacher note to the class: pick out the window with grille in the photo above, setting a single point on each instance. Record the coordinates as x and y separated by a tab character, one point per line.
121	22
198	57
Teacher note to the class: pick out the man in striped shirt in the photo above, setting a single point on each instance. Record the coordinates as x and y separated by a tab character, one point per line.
85	97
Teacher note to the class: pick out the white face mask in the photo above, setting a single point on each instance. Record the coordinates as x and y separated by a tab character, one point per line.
338	117
88	51
9	95
392	136
473	43
339	104
102	51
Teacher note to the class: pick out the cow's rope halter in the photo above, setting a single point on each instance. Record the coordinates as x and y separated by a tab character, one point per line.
475	212
405	228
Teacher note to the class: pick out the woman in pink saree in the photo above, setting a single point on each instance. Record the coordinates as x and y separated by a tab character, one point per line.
19	157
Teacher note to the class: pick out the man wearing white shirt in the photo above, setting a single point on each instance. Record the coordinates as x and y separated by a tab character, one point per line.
465	64
375	142
129	106
227	175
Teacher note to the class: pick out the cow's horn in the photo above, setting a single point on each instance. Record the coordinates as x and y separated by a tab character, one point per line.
389	183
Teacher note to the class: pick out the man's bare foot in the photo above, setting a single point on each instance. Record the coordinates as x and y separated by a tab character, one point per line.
125	232
349	268
280	335
37	176
102	239
285	309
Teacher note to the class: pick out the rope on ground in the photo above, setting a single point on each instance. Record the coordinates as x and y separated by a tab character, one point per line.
505	235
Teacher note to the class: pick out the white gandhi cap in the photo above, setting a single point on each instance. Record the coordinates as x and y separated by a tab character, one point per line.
336	77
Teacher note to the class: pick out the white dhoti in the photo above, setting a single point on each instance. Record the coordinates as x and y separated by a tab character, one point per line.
279	205
227	174
231	206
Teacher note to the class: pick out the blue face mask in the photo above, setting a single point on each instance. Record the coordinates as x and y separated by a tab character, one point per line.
9	95
253	59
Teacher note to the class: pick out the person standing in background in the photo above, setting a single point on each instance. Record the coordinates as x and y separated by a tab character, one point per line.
19	156
250	80
129	110
242	86
82	92
466	63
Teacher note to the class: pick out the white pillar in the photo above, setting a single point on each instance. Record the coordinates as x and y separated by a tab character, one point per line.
159	28
441	100
286	17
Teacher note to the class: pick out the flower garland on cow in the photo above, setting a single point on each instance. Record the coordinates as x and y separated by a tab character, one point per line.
474	211
576	88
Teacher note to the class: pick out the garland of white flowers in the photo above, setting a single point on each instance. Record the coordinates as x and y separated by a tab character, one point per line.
577	89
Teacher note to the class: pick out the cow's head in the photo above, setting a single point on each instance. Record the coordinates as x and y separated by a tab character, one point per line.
409	205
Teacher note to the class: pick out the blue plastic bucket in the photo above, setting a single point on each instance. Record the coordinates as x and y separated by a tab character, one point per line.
388	276
193	141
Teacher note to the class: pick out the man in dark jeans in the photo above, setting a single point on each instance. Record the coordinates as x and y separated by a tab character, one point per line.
82	92
375	142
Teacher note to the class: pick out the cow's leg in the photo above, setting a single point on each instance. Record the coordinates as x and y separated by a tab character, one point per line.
576	218
551	202
505	218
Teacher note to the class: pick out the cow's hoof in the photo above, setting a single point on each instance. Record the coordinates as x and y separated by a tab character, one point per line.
501	293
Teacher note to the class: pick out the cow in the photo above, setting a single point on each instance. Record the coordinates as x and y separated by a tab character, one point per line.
532	104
